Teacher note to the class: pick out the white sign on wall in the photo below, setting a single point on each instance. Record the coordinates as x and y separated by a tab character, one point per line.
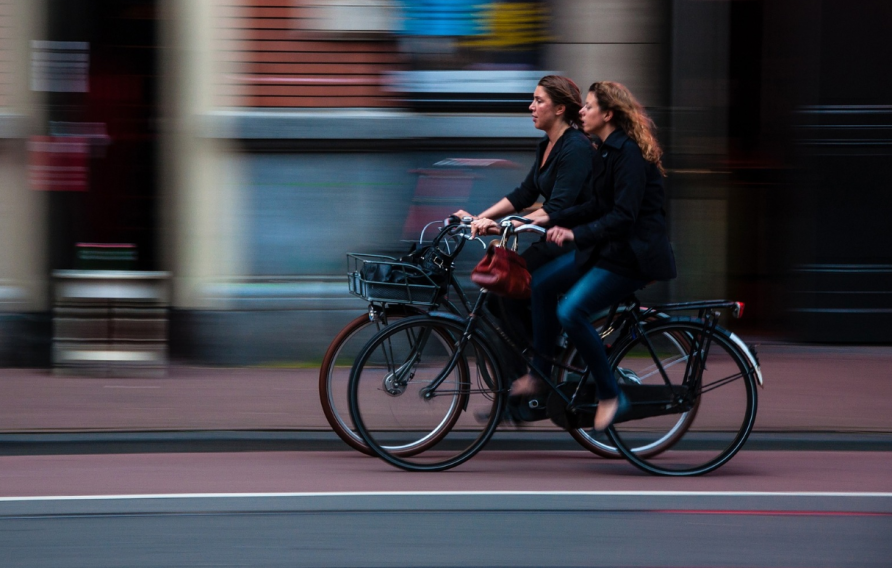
60	66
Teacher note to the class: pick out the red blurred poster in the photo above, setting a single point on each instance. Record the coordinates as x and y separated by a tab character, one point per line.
58	163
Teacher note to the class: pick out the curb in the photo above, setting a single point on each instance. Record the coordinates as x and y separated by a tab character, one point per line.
317	441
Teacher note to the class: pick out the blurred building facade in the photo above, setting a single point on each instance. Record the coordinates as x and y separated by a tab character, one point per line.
244	146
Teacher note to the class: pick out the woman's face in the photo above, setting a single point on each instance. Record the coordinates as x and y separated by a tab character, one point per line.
593	118
545	112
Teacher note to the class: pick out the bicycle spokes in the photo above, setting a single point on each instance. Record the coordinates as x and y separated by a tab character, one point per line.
447	400
703	399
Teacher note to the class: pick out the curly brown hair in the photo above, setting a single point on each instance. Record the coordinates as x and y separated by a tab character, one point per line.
630	117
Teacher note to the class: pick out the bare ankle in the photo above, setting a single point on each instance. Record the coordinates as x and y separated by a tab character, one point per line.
606	413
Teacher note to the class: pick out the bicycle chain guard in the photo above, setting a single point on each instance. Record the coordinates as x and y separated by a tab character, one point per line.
646	401
558	412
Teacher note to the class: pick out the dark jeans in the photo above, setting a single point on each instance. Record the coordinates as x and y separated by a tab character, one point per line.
514	315
587	293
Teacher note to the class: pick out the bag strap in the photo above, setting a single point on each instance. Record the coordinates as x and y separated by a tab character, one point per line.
504	241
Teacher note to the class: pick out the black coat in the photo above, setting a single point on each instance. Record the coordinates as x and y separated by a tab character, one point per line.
565	178
624	223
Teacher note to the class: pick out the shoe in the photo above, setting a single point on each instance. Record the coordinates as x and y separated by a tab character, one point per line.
526	402
609	409
511	415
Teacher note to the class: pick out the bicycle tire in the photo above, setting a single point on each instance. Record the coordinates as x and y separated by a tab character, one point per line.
334	372
383	414
727	383
599	443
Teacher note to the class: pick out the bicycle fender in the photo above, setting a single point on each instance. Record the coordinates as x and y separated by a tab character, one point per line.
754	363
448	315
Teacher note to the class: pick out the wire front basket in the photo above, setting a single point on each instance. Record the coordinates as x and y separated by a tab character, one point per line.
379	278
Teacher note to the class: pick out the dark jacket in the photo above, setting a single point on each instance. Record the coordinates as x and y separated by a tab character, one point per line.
623	226
565	178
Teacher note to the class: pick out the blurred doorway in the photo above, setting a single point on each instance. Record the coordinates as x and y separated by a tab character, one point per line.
97	67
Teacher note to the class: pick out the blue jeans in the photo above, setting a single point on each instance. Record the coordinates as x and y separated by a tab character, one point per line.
587	293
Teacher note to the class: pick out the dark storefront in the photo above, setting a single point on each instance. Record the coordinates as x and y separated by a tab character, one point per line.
100	82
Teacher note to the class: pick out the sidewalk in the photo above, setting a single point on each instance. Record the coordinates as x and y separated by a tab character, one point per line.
808	389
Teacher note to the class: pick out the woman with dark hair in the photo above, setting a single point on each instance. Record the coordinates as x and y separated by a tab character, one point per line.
620	237
561	173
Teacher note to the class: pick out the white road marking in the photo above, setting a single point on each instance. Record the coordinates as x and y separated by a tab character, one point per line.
455	494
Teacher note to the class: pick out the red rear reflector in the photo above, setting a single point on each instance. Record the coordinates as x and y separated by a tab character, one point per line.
738	312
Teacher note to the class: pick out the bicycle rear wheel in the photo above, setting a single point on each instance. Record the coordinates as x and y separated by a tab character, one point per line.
723	391
410	384
598	442
334	374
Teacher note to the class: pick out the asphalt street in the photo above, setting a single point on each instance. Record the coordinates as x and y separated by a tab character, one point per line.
454	530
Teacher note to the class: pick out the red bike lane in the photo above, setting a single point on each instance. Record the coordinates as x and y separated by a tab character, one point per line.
754	472
807	389
813	390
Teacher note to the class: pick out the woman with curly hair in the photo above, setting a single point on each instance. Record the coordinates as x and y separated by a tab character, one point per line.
620	237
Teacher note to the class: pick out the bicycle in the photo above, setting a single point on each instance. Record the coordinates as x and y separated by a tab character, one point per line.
392	301
438	371
410	291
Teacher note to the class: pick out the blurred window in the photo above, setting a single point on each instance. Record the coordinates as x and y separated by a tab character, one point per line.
363	53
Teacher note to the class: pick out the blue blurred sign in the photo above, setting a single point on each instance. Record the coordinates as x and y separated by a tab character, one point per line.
443	17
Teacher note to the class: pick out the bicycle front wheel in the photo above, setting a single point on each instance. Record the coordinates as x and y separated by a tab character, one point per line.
412	384
711	375
334	375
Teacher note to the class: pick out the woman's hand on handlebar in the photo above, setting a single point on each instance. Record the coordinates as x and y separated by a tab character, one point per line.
484	227
559	236
462	214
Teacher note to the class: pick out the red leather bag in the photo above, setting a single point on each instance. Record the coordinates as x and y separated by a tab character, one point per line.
503	272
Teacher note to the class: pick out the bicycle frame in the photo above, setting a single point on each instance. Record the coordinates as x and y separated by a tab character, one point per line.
628	321
660	363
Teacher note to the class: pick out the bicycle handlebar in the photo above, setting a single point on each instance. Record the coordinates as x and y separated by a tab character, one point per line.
530	229
512	218
507	224
454	227
460	227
